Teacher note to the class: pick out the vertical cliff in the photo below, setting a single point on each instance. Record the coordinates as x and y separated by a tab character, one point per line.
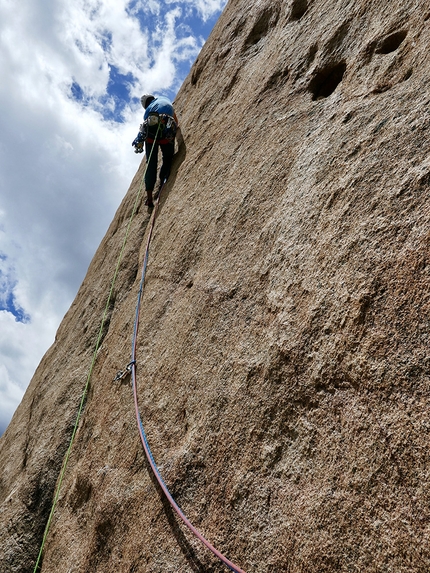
283	355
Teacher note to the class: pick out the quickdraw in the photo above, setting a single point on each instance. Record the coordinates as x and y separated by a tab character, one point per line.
123	373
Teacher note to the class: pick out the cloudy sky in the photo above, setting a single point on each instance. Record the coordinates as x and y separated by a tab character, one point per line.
71	76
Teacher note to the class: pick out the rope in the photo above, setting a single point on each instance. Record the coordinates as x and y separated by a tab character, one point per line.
85	392
142	433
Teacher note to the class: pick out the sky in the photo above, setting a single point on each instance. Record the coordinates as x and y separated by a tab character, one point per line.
71	76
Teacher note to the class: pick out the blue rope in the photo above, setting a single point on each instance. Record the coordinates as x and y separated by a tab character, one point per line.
142	432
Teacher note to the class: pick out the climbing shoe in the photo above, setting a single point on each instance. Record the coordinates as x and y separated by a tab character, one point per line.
150	205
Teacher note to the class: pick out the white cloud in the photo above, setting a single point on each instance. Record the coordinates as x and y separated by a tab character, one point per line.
206	8
11	396
66	164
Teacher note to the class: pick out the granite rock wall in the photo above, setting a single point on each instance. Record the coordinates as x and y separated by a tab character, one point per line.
283	358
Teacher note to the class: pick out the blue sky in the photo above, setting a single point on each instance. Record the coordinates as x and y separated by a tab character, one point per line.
72	76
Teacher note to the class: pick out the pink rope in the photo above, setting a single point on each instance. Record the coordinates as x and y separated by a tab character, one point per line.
143	438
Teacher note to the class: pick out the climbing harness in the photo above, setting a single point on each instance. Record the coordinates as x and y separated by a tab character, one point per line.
157	127
142	433
87	385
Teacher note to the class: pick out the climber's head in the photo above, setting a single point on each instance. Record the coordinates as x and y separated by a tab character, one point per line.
146	99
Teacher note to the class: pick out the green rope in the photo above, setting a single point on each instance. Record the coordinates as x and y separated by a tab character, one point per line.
85	392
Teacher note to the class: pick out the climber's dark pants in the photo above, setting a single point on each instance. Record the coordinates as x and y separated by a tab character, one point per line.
167	151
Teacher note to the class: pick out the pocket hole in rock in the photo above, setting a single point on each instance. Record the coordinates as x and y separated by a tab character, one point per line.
196	71
276	79
260	28
391	42
298	9
407	75
313	50
326	80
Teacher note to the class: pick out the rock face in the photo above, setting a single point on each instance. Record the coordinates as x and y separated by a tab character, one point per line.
283	358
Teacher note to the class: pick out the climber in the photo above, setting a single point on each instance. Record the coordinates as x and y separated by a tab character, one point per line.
158	131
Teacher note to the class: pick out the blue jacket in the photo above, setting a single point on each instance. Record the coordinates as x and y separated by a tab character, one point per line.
160	105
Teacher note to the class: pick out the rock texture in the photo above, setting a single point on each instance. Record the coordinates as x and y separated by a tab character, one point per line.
283	353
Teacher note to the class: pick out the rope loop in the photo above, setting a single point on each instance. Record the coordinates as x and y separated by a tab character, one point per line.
141	429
